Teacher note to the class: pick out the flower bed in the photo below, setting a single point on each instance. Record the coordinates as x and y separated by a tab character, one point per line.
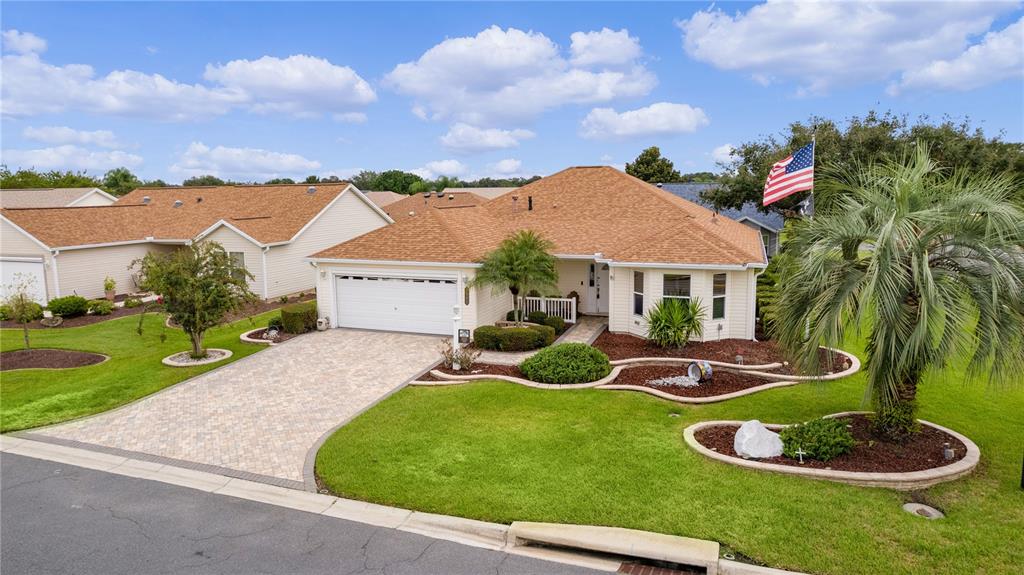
259	336
48	359
722	381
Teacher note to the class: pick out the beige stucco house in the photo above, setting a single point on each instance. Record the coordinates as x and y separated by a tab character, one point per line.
270	229
622	245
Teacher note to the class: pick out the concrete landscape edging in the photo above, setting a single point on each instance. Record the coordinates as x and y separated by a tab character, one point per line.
245	337
205	361
902	481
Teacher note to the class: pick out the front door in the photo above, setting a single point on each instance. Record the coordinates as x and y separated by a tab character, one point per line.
598	292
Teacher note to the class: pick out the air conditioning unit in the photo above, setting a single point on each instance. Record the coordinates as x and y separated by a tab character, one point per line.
323	324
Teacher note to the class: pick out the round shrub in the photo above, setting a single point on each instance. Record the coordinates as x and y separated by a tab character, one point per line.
35	312
487	337
566	364
299	317
511	315
101	307
556	323
5	312
68	306
822	439
537	317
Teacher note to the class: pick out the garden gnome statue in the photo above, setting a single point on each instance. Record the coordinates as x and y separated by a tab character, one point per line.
754	440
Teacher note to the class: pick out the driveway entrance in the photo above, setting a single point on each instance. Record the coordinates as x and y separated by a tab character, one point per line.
263	413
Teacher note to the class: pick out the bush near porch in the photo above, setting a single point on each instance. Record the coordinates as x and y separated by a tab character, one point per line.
525	338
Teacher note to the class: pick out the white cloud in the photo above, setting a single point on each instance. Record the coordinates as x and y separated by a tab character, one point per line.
451	168
23	42
606	47
66	135
350	117
466	139
507	167
241	163
69	157
152	50
300	85
999	55
501	75
824	44
721	154
662	118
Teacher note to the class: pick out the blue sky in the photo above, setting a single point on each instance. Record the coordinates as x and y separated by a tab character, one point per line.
254	91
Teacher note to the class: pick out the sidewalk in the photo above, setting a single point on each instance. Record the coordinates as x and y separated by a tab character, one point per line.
585	330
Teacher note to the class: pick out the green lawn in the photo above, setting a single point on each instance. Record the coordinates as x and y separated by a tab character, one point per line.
501	452
30	398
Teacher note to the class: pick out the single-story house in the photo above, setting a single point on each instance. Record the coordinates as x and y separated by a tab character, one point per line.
54	198
410	205
769	224
269	229
622	246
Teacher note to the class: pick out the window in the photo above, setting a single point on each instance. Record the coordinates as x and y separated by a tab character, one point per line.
238	260
767	237
718	297
638	293
676	287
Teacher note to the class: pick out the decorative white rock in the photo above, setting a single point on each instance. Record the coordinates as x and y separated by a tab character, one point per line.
754	440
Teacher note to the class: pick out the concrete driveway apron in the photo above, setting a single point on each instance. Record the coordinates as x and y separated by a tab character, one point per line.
263	413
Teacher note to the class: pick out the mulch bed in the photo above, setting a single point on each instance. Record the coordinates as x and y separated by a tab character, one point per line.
721	381
478	369
626	346
47	358
281	336
265	306
872	454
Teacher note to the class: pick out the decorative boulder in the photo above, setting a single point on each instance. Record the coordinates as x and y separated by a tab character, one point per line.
754	440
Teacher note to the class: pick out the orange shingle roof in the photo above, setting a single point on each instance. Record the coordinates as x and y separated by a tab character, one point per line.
410	205
583	211
269	214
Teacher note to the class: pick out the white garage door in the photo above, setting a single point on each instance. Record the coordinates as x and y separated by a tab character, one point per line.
416	305
15	271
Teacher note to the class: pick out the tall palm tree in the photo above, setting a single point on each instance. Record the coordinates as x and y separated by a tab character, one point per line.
930	261
522	262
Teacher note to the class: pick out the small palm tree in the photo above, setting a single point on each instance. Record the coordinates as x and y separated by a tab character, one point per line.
522	262
671	322
929	261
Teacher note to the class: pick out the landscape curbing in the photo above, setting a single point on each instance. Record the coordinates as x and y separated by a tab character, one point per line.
495	536
205	361
903	481
245	337
106	358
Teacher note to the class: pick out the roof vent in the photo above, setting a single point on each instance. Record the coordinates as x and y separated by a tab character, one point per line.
178	203
199	199
146	199
440	193
529	203
658	184
451	196
311	190
515	203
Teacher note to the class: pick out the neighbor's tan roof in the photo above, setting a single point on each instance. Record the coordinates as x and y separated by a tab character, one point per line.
269	214
382	197
41	197
583	211
489	193
411	205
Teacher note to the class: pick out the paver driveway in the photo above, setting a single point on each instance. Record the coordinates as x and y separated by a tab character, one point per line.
263	413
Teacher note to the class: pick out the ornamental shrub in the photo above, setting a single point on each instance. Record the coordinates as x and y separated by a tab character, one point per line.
512	338
537	317
298	317
275	323
132	302
567	364
101	307
671	322
822	439
5	312
68	306
511	315
556	323
33	311
547	334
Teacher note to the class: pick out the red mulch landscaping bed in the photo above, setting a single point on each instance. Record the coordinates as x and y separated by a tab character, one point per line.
78	321
265	306
47	358
626	346
281	336
872	454
721	381
478	369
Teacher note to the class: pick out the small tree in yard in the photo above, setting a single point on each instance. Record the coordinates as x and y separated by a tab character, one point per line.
522	262
200	285
20	303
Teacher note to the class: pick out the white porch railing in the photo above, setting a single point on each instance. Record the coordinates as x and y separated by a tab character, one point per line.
564	308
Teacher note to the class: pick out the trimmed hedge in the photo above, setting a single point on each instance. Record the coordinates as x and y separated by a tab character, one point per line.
275	323
511	315
537	317
68	306
513	338
101	307
567	364
299	317
556	323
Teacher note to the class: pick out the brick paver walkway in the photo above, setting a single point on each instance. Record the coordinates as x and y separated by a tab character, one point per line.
586	330
263	413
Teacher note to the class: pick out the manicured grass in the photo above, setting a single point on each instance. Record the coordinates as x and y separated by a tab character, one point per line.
501	452
35	397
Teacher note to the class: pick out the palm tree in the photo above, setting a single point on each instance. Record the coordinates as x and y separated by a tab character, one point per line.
930	261
522	262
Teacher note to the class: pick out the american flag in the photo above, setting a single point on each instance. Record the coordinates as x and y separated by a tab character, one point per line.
792	175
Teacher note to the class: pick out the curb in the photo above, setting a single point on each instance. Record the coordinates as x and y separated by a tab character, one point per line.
171	363
494	536
244	337
901	481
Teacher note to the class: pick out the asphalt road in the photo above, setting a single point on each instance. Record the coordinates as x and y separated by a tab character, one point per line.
57	518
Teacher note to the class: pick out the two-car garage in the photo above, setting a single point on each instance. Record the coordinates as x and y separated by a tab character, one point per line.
396	303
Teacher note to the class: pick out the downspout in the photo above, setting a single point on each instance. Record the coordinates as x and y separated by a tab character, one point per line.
263	255
753	304
56	274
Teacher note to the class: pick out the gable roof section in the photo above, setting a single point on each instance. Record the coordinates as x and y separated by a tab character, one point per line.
583	211
47	197
771	221
266	214
489	193
382	198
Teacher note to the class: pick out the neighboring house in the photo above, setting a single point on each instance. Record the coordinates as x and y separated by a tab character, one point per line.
622	245
488	193
409	206
55	198
770	224
269	229
383	198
